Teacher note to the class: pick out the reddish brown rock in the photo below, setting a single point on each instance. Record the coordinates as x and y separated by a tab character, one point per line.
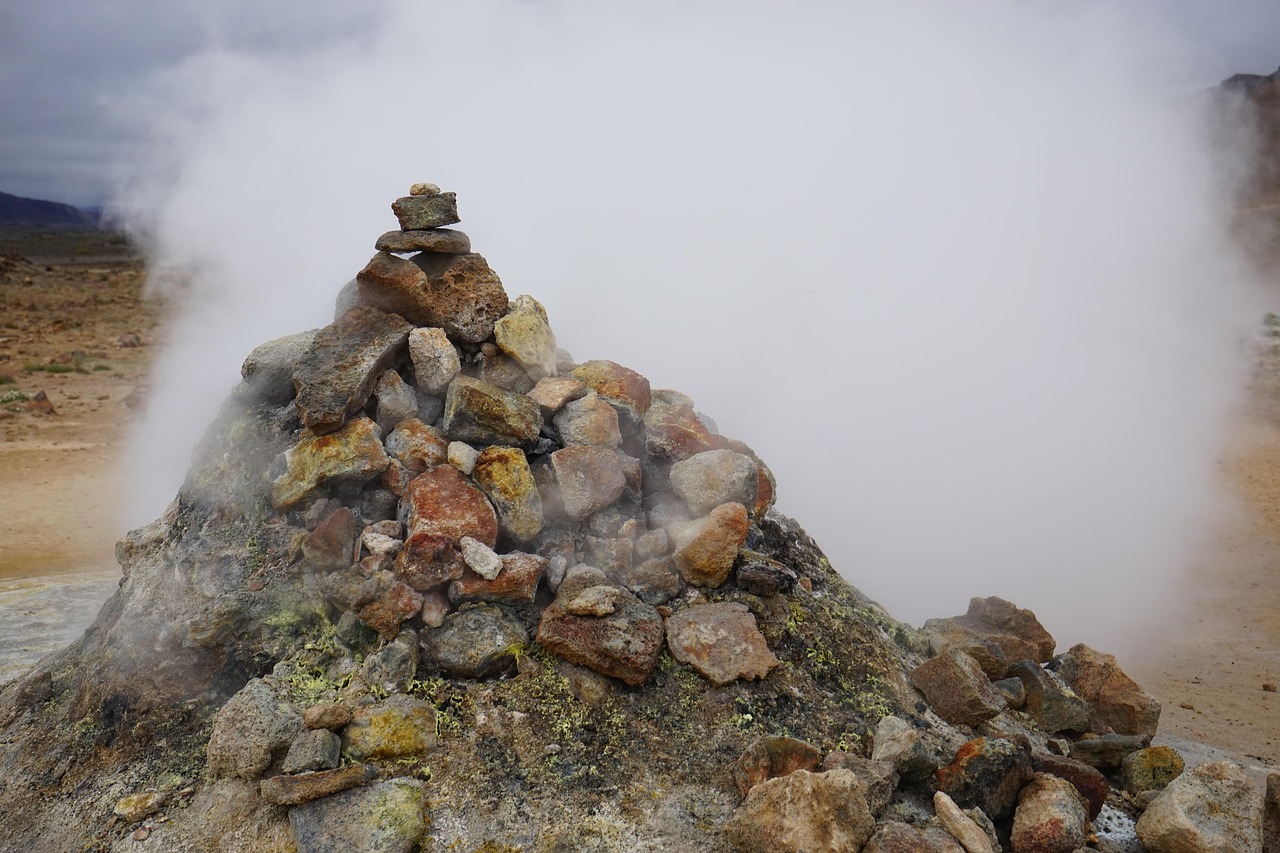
956	689
772	756
336	376
457	293
589	479
706	547
673	430
834	816
1051	817
417	446
428	561
435	606
1090	783
517	582
386	614
329	716
721	641
551	393
1118	703
332	545
623	388
351	455
987	773
442	503
477	412
624	645
1016	630
305	787
504	475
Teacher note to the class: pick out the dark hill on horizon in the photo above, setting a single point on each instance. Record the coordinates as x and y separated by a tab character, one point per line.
16	210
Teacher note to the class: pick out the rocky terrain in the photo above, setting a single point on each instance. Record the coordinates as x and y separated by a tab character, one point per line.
433	584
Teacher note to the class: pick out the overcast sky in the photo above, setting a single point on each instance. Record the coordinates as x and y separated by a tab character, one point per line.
71	71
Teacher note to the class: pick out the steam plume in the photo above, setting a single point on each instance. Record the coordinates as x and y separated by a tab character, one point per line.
959	276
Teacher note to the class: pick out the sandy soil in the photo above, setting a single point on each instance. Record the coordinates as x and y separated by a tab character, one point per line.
1213	665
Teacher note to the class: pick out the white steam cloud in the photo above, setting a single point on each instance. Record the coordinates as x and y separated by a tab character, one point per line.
960	275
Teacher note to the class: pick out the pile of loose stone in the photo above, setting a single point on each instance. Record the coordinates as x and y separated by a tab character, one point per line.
451	455
460	479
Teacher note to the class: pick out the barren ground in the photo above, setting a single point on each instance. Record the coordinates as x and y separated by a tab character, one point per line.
78	311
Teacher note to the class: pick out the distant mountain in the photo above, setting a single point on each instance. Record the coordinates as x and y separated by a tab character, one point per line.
15	210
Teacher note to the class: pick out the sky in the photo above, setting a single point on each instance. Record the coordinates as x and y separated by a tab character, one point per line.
70	71
959	273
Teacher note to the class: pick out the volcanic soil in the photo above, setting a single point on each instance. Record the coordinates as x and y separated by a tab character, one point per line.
74	324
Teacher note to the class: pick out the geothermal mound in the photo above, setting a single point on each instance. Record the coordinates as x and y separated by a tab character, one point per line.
430	584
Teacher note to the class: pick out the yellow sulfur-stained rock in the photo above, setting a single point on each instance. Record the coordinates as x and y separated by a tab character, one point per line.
353	454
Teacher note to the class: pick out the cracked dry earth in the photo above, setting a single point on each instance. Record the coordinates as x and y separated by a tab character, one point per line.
1211	660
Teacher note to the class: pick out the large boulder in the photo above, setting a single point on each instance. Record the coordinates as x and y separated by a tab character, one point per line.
956	688
1210	809
721	641
1051	817
1118	703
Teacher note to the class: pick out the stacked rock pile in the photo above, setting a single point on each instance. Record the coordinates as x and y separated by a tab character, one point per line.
433	583
450	456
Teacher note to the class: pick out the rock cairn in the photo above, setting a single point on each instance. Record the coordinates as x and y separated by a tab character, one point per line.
454	466
431	582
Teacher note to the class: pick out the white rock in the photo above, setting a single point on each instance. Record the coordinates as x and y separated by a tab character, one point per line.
463	456
480	558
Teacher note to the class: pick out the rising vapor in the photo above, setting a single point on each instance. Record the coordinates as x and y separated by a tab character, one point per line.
960	276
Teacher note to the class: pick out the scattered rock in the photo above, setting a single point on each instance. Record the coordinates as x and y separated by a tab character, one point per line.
772	756
1106	751
351	456
396	400
1118	703
1051	817
136	807
706	548
393	666
463	457
386	817
477	641
1088	782
1014	629
302	788
1012	690
337	374
956	689
834	818
435	606
721	641
759	575
960	826
899	743
673	430
1049	700
709	479
1213	807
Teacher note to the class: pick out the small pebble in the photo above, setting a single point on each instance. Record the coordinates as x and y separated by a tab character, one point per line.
1270	687
141	834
